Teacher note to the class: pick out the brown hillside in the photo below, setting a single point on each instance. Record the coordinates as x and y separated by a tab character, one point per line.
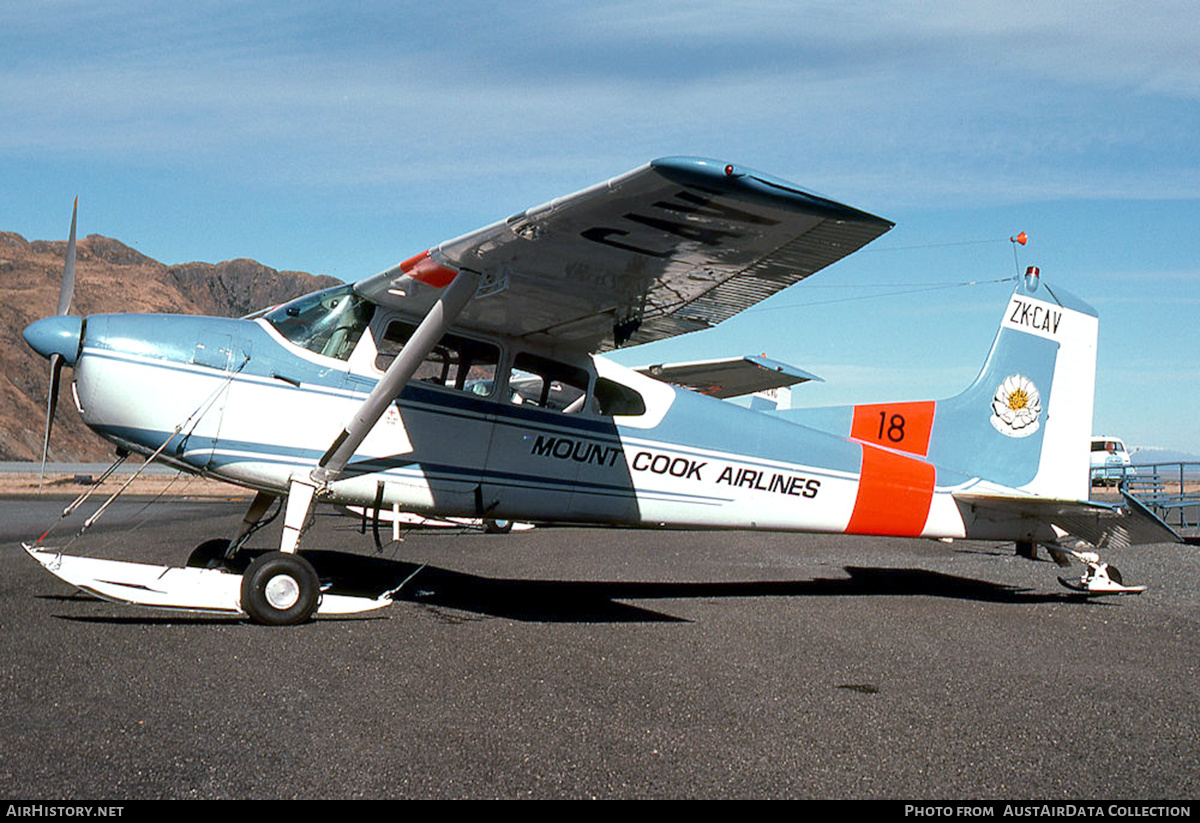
110	277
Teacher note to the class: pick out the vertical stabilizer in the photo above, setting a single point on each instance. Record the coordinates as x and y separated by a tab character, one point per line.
1026	421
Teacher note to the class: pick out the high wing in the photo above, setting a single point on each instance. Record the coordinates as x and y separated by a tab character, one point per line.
675	246
729	377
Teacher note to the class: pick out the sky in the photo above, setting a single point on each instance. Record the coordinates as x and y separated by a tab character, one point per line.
341	138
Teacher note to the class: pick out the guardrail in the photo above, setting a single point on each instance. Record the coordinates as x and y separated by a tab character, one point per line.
1170	490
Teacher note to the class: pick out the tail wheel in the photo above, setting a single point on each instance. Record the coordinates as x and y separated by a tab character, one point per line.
497	526
280	589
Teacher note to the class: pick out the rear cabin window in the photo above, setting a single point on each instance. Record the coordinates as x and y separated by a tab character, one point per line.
547	384
611	399
455	363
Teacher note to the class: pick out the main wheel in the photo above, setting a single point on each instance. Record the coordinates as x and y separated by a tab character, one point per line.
280	589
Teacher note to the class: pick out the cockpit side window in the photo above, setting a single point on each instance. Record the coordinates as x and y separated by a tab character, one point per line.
328	322
456	362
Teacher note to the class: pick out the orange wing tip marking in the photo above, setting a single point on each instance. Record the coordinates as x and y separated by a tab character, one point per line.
425	269
894	494
901	426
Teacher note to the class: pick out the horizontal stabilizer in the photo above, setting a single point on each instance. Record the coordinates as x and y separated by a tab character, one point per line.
729	377
1101	525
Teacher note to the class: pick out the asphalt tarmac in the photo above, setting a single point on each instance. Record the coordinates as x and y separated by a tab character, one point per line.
577	663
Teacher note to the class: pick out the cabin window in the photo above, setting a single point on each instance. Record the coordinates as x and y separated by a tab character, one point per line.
547	384
611	399
328	322
455	362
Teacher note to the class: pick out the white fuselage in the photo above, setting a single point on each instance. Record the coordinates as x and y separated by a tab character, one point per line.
685	461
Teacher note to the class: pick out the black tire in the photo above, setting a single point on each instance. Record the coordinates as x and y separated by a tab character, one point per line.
280	589
497	526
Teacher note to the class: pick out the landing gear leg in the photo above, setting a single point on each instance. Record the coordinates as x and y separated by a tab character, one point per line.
295	515
281	588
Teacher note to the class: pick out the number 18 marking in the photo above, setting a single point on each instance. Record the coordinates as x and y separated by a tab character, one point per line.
894	427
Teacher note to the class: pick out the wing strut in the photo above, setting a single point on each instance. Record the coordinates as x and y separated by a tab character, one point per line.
441	315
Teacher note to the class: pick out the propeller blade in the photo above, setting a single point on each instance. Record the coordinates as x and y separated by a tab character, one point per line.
65	294
68	284
56	365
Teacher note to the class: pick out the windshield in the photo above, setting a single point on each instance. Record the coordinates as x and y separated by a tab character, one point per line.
328	322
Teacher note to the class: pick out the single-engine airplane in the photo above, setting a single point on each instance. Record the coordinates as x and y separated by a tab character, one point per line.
466	382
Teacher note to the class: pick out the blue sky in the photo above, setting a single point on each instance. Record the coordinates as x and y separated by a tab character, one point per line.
342	138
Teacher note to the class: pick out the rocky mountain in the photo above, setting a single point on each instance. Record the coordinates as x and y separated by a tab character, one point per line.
110	277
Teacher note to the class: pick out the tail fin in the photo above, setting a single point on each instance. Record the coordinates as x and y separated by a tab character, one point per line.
1025	422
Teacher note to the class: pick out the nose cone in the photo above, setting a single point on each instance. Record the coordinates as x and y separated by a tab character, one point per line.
60	334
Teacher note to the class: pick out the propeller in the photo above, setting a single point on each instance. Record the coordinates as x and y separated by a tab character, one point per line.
65	295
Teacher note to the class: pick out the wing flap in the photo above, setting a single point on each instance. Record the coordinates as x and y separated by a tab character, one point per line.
675	246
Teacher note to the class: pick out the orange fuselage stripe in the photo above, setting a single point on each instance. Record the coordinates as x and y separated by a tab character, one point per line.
894	494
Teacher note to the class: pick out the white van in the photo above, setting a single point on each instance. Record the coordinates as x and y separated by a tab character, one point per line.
1110	461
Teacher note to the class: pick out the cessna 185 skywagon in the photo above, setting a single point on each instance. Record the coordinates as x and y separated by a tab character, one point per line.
465	382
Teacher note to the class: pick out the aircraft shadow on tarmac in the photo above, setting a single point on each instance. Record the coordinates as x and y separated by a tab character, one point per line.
566	601
606	601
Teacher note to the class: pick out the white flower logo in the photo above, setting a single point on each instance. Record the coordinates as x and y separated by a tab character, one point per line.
1017	407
